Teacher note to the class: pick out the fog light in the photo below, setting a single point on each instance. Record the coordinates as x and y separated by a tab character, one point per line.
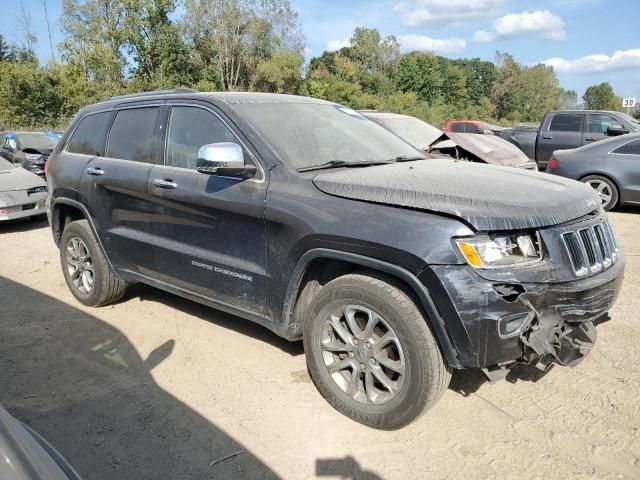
511	325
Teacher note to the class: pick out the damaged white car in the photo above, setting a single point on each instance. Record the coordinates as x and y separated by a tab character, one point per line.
22	193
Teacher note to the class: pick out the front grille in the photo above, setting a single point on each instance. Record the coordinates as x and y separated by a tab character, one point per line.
591	249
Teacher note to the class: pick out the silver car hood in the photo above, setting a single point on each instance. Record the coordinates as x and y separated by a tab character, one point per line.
19	179
489	197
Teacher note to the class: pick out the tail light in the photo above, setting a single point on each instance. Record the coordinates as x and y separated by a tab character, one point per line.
46	167
553	163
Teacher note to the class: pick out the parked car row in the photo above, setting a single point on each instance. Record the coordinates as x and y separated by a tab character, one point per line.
393	265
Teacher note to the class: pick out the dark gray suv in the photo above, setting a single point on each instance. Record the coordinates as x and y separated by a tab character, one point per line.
308	218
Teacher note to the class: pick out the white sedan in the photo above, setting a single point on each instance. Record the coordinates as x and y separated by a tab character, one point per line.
22	193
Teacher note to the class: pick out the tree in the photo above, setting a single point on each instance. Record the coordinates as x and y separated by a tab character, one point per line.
161	58
601	97
94	38
234	36
502	91
373	52
280	74
420	72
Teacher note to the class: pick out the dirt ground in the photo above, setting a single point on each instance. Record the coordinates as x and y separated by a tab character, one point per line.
157	387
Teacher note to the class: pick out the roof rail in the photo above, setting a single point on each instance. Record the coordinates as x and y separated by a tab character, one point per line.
152	93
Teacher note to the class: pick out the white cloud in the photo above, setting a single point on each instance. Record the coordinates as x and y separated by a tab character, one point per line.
620	60
484	36
446	12
400	7
424	43
334	45
538	23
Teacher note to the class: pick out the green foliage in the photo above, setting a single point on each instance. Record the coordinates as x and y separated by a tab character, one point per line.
280	73
601	97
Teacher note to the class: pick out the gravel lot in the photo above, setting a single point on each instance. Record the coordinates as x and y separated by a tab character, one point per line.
159	387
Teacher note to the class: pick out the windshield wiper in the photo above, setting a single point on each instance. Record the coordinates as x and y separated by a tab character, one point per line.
402	158
342	163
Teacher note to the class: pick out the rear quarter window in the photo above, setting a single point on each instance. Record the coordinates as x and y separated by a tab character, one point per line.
90	135
566	122
631	148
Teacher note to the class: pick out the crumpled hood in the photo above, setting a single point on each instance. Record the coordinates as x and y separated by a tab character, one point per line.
490	148
489	197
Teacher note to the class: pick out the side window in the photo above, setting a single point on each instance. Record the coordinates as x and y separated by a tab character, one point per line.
89	137
599	123
470	128
131	135
457	127
189	129
631	148
566	122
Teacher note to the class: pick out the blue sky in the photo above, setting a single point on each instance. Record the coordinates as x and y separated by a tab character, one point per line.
587	41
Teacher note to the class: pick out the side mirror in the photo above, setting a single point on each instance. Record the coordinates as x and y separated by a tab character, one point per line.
224	159
616	129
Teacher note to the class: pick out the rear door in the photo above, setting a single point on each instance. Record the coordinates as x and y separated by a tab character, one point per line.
563	131
210	230
597	126
624	162
115	187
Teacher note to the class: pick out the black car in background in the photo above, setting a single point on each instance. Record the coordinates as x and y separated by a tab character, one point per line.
611	167
29	149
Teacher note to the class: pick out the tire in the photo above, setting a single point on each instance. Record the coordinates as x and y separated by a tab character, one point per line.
89	277
605	188
371	362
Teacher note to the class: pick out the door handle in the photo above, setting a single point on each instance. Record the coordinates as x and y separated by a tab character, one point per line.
162	183
547	137
590	139
95	171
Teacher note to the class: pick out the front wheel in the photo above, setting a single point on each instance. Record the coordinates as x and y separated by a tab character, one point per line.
605	188
371	354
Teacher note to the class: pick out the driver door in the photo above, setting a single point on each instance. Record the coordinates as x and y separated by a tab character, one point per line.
209	230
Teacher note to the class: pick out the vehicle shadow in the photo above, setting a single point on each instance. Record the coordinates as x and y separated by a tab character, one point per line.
81	384
466	382
146	293
23	224
345	468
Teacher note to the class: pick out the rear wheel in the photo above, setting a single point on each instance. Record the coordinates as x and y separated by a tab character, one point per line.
371	353
86	269
605	188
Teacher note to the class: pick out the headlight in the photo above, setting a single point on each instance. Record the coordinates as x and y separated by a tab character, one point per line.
493	251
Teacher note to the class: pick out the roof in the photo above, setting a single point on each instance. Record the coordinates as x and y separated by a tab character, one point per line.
230	98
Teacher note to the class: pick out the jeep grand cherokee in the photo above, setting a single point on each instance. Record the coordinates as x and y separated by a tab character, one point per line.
308	218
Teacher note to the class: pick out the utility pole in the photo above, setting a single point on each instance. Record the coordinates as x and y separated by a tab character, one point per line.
46	17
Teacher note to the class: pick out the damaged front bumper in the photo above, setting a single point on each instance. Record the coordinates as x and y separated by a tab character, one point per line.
494	324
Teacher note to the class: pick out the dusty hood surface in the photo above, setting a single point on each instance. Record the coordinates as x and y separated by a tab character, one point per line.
490	148
488	197
19	179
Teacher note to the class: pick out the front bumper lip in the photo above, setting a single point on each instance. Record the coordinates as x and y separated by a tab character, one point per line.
476	311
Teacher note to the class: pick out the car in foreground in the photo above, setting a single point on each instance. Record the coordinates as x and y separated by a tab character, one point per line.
22	193
28	149
461	146
307	218
26	455
611	167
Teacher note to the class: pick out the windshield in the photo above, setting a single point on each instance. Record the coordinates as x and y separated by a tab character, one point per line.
36	140
6	165
412	130
308	134
634	123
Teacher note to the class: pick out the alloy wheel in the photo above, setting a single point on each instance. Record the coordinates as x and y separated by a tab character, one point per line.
363	355
603	189
80	265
